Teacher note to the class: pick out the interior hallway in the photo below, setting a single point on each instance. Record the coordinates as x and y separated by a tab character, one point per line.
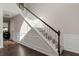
14	49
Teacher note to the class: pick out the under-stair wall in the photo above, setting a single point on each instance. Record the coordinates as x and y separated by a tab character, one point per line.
27	36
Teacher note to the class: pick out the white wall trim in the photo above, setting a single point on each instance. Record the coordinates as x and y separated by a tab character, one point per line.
72	50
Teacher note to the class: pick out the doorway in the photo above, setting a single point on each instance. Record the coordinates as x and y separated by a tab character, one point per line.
6	29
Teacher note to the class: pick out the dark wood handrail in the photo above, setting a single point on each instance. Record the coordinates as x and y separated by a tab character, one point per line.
39	19
57	32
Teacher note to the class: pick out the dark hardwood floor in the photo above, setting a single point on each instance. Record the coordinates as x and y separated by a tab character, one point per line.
68	53
14	49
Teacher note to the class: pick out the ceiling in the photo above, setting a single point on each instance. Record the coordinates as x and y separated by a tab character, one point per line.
8	14
9	9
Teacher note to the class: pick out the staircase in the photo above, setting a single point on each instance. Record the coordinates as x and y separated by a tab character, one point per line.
48	37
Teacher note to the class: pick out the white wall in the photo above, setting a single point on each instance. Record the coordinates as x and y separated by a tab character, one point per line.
1	28
60	16
18	27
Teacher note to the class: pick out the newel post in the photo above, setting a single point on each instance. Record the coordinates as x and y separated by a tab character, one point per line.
59	42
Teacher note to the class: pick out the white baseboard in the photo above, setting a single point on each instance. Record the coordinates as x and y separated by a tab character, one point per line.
72	50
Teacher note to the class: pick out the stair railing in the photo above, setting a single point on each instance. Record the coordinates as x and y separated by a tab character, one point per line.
21	5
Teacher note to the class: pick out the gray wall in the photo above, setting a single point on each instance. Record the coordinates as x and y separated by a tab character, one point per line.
61	16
